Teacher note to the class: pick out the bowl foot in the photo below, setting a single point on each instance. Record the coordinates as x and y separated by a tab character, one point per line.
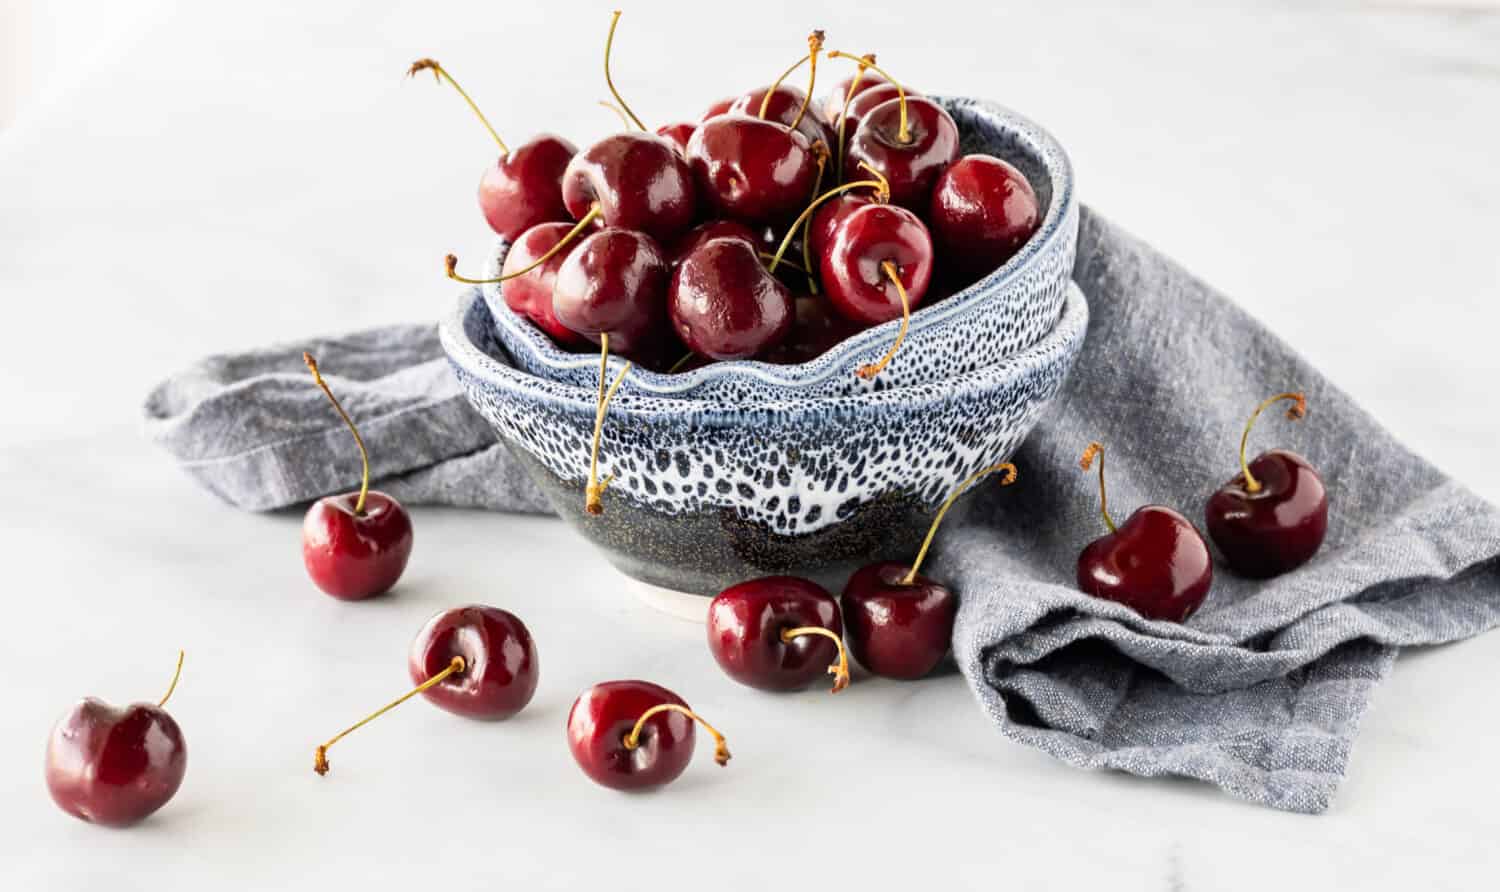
683	605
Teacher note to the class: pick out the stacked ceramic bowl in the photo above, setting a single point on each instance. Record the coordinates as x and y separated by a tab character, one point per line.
740	469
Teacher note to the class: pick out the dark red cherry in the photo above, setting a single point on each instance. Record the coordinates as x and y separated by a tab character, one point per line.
752	170
1155	563
864	102
500	663
853	270
816	328
640	182
115	767
678	134
704	232
530	294
911	161
354	545
829	216
634	735
1272	516
725	305
778	633
833	100
615	283
983	211
786	100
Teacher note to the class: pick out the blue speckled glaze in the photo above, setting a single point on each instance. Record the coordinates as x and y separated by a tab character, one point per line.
1007	311
706	491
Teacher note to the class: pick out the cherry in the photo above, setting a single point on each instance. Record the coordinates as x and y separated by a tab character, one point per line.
1156	563
530	278
116	767
778	633
678	133
877	267
1272	516
524	187
786	104
830	216
908	139
752	170
983	210
718	108
478	662
634	735
725	305
705	232
816	328
844	92
899	622
354	545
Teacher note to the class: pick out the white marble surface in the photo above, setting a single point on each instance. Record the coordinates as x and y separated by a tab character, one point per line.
211	179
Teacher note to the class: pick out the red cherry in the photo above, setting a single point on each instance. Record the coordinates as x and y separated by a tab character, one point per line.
1155	563
678	134
639	181
529	294
1272	516
853	263
634	735
834	99
112	766
778	633
354	545
615	283
704	232
983	210
725	305
866	100
784	107
911	142
830	216
899	622
718	108
752	170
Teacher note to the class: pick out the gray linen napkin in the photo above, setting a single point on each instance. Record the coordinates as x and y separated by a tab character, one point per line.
1260	692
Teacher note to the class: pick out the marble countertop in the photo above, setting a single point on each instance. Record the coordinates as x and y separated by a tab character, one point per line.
213	179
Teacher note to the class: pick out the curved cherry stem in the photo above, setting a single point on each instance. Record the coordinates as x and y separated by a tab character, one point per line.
1009	477
633	738
440	74
820	154
450	262
609	43
814	46
320	756
869	371
677	366
903	132
865	62
882	194
767	255
364	455
593	493
839	669
1298	409
618	111
1096	450
175	675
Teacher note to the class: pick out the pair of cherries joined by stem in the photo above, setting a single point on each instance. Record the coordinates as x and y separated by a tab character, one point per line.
1267	520
781	633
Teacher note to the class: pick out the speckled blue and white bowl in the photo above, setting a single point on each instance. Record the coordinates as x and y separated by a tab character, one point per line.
707	494
1006	311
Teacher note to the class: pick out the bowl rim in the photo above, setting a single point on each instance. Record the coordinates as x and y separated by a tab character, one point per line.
1061	344
796	376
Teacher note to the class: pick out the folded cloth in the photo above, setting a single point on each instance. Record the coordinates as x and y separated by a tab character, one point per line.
1260	692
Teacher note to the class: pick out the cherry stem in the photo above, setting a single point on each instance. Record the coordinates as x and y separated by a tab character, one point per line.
721	747
882	194
814	46
820	154
619	111
1297	410
840	669
1096	450
1008	477
903	132
173	686
450	262
320	756
364	455
864	63
440	74
593	493
767	255
609	43
869	371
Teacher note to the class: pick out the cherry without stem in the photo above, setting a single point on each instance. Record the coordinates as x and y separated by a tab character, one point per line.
725	305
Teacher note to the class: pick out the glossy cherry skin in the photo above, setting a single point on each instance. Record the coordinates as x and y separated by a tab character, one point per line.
897	630
785	101
745	623
524	188
530	295
833	100
912	167
678	134
606	712
1277	528
983	210
752	170
356	556
816	328
704	232
114	766
829	216
863	102
615	282
723	303
852	272
718	108
1155	563
500	663
640	182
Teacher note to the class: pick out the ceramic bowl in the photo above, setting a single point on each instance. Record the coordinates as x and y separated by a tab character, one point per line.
707	494
1008	310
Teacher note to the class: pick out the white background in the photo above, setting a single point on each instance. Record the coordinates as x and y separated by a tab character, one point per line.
185	178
